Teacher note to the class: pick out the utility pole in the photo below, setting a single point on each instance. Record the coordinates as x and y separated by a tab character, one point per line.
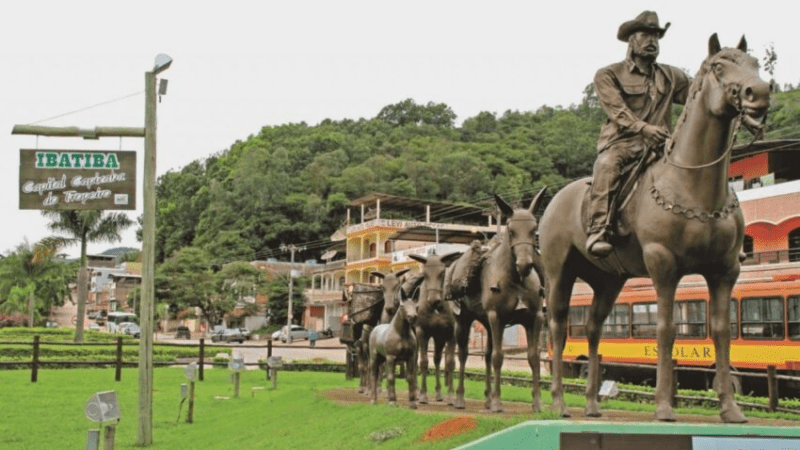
290	248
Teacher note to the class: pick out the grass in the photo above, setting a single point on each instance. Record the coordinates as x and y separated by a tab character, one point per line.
50	413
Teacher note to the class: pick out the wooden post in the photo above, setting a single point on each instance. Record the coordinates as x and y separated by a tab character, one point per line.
118	376
674	393
269	355
236	383
190	414
35	361
108	439
202	357
772	388
274	373
144	435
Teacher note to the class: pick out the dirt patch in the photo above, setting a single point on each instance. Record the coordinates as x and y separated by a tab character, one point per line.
475	408
450	427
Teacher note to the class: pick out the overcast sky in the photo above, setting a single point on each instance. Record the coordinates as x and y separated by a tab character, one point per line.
239	66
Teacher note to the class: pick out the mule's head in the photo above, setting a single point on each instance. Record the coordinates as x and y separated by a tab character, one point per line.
434	268
391	288
521	229
738	87
407	307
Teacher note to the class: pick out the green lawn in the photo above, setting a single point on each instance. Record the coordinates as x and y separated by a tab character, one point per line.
50	413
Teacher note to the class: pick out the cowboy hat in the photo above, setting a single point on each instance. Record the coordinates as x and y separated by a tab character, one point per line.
647	20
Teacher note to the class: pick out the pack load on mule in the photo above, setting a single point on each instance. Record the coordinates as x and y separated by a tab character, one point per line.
681	219
364	307
508	292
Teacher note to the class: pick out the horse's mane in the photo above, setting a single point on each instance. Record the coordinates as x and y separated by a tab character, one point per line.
732	54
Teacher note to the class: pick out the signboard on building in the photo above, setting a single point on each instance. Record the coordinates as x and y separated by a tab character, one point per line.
77	179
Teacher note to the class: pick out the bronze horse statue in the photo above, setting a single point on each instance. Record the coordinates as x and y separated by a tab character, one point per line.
435	319
509	293
393	342
682	219
391	292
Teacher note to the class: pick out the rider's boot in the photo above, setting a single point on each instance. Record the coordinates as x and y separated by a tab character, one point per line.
597	245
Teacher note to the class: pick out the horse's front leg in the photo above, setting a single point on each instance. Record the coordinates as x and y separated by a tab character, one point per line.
604	298
411	377
487	359
375	364
532	330
720	288
391	361
558	309
449	367
661	266
422	346
497	359
438	346
462	330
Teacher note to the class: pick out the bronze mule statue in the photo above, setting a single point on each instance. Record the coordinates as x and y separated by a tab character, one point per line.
509	293
435	319
682	219
391	292
392	342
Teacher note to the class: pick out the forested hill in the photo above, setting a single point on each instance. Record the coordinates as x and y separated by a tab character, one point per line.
290	183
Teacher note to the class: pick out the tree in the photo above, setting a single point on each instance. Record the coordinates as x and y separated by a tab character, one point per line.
238	280
187	279
31	287
278	294
81	227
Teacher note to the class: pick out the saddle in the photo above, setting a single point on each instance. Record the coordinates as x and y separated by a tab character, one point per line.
629	182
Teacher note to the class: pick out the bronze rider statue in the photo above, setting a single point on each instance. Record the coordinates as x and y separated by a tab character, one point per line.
637	95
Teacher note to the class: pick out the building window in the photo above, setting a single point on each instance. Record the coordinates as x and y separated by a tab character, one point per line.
690	319
645	320
372	248
577	320
734	319
762	318
794	245
616	324
794	317
387	247
747	246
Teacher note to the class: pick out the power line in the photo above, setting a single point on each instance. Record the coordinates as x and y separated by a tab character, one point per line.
88	107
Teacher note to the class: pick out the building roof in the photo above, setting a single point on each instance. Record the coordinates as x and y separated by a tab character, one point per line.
772	145
440	211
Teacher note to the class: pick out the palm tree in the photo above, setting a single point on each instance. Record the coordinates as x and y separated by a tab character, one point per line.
81	227
29	285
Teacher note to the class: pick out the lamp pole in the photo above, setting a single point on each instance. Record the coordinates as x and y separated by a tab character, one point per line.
144	436
290	248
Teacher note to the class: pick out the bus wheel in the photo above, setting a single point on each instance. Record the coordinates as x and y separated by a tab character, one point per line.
736	382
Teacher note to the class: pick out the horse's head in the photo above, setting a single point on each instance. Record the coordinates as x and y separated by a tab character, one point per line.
521	232
391	287
434	268
738	87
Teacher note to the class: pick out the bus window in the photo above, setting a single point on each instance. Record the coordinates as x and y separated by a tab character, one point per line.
734	319
690	319
762	318
577	320
645	319
794	317
616	324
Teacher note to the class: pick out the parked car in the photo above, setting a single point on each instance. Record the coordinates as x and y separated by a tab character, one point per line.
130	328
51	324
228	335
298	333
245	332
95	326
183	332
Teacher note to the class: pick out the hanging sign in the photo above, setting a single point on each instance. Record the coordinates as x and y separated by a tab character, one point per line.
77	179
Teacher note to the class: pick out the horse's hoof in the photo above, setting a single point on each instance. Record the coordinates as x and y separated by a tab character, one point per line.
459	403
439	397
733	415
423	399
373	402
592	410
664	413
497	406
537	406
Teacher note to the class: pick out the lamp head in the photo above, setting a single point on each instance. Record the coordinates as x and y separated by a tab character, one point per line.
163	61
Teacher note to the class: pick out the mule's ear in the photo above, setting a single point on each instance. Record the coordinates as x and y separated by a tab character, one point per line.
451	257
742	44
418	258
537	200
378	274
713	45
505	208
400	273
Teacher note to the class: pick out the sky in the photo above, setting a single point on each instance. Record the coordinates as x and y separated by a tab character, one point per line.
239	66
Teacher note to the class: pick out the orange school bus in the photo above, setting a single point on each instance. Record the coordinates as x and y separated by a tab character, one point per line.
764	321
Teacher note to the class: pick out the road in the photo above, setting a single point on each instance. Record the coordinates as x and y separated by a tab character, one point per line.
333	350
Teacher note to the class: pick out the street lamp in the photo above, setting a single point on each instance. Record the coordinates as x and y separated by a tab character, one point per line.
290	248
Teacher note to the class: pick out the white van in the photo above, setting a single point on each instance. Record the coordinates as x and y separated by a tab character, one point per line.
116	318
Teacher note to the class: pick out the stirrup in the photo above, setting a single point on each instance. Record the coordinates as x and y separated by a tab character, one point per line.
597	246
